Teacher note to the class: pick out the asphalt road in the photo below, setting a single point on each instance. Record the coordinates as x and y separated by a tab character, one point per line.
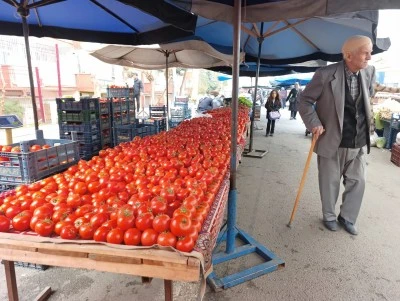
320	265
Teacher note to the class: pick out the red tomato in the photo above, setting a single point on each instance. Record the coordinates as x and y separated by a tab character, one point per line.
21	221
12	211
149	237
166	239
69	232
144	221
185	244
81	211
158	205
98	219
115	236
4	223
61	224
86	231
43	210
44	227
80	221
161	223
101	233
181	225
132	237
125	219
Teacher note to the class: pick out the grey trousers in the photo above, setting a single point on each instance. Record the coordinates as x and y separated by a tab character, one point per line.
349	163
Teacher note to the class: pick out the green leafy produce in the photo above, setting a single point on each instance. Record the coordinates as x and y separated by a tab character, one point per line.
244	101
380	142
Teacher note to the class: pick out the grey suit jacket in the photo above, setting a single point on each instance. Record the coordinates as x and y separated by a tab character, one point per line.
327	89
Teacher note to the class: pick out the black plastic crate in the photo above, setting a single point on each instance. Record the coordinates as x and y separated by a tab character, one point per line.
27	167
85	137
126	133
120	92
30	265
91	126
84	104
105	123
84	116
124	119
157	112
159	124
104	107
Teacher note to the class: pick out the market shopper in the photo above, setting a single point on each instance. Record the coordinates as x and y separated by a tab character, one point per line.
137	89
341	123
292	97
283	96
273	104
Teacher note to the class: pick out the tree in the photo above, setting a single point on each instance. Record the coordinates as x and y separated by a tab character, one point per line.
208	81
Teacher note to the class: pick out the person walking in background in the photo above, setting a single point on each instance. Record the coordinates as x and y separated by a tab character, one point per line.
283	96
273	104
341	124
137	89
292	97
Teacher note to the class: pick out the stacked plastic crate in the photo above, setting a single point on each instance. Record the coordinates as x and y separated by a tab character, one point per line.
81	117
123	112
105	116
180	111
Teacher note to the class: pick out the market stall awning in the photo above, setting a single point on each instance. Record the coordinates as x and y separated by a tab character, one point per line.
124	22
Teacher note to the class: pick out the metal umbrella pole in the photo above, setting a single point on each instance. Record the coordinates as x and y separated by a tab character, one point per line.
232	233
256	153
24	13
166	53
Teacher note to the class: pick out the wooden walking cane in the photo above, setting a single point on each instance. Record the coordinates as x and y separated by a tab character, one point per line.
303	180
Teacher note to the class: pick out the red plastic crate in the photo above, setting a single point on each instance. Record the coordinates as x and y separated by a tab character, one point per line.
395	158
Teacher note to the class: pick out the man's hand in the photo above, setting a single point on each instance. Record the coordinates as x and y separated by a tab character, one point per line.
317	131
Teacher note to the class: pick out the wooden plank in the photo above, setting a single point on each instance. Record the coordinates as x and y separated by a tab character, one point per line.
194	262
44	295
18	247
151	254
63	252
111	258
175	272
168	290
11	280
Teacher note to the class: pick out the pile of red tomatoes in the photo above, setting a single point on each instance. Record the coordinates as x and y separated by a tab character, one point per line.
155	190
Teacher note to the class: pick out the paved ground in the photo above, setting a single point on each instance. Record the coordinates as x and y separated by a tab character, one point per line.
320	265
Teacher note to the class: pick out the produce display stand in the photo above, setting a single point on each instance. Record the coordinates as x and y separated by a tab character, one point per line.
166	264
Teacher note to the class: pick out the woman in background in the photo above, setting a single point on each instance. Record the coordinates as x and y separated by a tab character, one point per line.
273	104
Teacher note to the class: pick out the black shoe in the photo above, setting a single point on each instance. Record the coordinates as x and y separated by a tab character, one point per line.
349	227
271	134
291	118
267	134
331	225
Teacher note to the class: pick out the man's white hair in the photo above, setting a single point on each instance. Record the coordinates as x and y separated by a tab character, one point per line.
354	43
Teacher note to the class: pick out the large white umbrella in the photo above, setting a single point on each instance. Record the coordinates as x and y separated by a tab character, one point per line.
184	54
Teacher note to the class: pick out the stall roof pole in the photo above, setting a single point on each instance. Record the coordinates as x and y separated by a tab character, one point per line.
24	14
231	223
166	87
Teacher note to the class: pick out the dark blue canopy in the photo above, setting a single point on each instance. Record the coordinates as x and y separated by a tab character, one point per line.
250	69
128	22
296	40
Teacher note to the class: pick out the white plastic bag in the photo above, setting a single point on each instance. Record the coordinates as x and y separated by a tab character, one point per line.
373	139
398	138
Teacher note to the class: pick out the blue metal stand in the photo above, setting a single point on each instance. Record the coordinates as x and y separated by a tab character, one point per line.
230	234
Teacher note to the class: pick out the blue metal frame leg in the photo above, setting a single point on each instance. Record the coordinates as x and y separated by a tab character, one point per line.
230	235
272	262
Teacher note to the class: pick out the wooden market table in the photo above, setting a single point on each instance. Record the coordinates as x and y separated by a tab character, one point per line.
169	265
150	263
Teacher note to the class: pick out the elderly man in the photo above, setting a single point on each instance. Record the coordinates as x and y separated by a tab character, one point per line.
341	123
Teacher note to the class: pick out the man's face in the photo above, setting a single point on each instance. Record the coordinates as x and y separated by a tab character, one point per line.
358	59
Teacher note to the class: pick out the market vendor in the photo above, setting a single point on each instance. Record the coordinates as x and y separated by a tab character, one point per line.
205	104
341	124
